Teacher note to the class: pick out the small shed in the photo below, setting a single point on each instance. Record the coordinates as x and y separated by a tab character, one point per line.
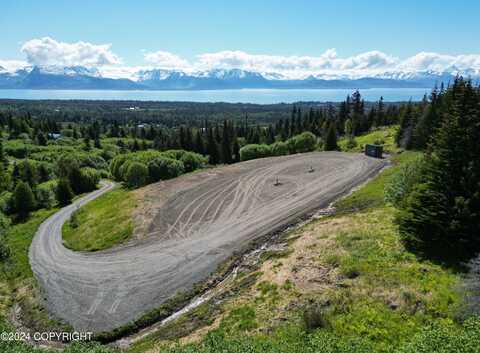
375	151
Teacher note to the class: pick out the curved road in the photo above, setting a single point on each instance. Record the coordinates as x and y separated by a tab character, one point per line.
196	222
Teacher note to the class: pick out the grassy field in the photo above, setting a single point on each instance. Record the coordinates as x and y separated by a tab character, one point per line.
372	194
15	272
17	284
102	223
384	136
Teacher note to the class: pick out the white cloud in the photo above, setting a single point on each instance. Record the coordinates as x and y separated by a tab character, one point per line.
327	61
12	65
330	64
442	62
166	60
48	51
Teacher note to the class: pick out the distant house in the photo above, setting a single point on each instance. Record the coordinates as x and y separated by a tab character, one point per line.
54	136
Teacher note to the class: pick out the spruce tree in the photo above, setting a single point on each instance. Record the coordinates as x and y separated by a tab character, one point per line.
41	139
212	148
226	144
236	150
440	216
380	117
3	156
64	193
199	145
407	122
24	200
96	143
331	138
357	113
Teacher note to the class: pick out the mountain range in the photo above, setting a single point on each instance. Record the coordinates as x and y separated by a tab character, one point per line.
79	77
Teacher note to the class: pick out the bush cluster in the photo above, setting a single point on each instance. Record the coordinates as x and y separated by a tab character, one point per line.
305	142
140	168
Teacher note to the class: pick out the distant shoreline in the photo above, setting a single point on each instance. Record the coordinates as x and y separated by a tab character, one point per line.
245	96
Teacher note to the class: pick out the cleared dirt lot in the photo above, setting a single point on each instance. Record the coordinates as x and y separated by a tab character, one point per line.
186	228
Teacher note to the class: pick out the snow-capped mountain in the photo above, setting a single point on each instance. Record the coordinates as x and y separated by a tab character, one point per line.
79	77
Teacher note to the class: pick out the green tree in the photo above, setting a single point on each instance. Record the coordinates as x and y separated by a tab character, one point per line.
64	192
440	216
212	148
3	156
136	175
199	145
331	138
24	200
41	139
236	150
4	249
226	144
403	137
162	168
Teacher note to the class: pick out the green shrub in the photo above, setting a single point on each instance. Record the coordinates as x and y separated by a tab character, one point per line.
89	179
254	151
115	166
403	181
446	338
314	317
193	161
24	200
64	193
174	154
305	142
162	168
7	203
136	174
45	194
4	249
161	165
93	161
279	149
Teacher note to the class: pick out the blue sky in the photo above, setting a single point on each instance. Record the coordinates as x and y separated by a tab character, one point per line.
400	29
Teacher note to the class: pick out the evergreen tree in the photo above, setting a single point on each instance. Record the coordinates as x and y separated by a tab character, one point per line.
64	193
428	122
357	113
199	145
27	172
86	142
270	135
236	150
212	148
135	146
348	128
3	156
41	139
96	143
407	123
331	138
226	144
440	216
380	116
24	200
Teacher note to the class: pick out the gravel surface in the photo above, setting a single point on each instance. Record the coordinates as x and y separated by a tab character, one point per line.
194	223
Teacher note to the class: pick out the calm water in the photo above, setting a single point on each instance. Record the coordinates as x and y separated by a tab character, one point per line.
260	96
